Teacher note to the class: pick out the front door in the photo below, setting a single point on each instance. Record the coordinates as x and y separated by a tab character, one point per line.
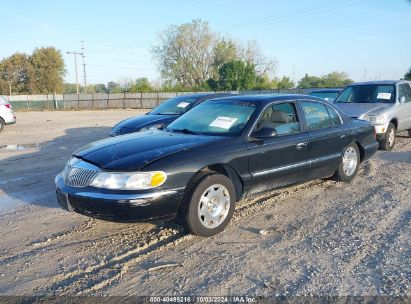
282	159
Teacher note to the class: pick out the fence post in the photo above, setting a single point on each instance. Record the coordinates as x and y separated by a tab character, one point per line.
78	101
108	100
158	99
92	101
55	101
124	100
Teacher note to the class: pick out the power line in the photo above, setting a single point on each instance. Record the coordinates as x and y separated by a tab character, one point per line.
302	12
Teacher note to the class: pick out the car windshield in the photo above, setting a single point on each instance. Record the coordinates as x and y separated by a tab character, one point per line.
329	96
174	106
369	93
226	118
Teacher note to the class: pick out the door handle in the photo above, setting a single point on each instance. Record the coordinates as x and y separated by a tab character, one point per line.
343	136
301	146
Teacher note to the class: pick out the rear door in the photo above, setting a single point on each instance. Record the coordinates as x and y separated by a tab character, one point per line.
327	136
404	110
283	159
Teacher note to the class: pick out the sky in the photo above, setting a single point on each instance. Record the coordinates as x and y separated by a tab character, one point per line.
368	39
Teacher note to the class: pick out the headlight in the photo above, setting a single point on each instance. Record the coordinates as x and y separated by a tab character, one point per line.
375	120
153	127
129	180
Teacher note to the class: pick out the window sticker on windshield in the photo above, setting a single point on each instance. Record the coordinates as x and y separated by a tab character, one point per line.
183	104
223	122
384	96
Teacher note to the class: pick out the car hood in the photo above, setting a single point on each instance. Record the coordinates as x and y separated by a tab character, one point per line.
138	122
134	151
355	110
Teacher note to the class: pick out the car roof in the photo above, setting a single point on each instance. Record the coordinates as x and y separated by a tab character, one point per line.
326	91
380	82
268	98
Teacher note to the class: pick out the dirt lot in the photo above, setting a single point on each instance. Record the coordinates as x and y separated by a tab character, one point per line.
320	238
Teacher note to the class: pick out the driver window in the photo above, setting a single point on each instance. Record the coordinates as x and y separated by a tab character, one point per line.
281	117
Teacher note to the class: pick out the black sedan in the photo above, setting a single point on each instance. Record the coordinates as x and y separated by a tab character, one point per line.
162	115
223	150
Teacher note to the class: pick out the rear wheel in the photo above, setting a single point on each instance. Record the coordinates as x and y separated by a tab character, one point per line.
2	124
211	205
388	142
409	132
349	163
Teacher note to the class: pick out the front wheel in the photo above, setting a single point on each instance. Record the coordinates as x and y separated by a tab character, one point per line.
210	206
389	141
349	165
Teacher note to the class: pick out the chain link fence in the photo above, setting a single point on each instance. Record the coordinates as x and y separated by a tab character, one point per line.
113	101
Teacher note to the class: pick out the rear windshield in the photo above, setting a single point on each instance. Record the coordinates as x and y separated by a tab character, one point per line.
328	96
174	106
370	93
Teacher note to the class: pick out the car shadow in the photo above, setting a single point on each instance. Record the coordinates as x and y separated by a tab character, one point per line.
27	175
393	156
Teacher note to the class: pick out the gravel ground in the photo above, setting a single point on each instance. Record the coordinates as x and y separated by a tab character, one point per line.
316	238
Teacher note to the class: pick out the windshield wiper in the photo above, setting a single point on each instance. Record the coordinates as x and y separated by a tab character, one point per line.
186	131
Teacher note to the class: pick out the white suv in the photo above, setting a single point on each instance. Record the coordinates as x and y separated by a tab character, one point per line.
7	116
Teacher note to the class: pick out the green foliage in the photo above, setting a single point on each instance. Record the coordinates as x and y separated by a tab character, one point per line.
18	72
185	52
285	83
49	69
237	75
69	88
114	87
100	88
42	72
141	85
334	79
407	75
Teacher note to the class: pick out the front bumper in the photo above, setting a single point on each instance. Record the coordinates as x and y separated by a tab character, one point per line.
132	206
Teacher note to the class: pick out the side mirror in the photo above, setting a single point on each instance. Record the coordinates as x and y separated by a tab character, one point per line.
265	132
402	99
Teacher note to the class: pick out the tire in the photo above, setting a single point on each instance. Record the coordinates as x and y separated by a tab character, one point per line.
349	165
209	219
2	124
409	132
388	142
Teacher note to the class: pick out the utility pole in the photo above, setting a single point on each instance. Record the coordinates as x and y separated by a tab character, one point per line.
84	66
293	73
74	53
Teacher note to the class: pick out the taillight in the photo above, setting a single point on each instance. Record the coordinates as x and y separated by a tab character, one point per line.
7	105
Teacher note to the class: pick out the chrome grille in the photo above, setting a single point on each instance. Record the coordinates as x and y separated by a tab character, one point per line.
79	177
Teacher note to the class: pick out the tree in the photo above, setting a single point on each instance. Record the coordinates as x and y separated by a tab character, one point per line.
253	54
223	52
285	83
407	75
310	82
185	53
17	71
141	85
49	70
237	75
336	79
100	88
69	88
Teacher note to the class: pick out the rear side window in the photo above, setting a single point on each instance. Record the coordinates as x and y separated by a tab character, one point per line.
316	115
335	118
401	92
282	117
408	91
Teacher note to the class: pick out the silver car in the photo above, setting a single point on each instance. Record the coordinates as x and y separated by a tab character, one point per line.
7	116
385	104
